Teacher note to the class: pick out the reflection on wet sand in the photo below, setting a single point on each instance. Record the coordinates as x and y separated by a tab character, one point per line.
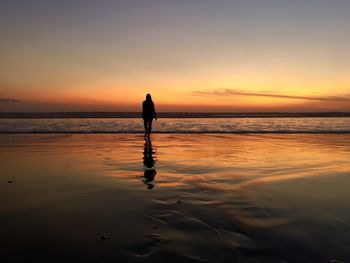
220	198
149	161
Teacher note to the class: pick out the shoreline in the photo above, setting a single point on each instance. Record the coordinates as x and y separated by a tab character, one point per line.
182	132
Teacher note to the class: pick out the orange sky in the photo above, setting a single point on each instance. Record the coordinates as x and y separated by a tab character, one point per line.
239	56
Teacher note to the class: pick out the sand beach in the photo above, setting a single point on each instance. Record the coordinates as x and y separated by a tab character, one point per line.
175	197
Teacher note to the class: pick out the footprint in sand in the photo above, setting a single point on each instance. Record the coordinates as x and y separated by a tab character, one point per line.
152	241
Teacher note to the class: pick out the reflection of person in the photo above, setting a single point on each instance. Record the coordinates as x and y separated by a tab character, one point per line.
148	113
149	161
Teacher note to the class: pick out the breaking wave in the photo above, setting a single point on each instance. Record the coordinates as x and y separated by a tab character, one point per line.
329	125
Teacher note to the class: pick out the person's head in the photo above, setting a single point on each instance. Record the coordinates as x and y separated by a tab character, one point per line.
148	97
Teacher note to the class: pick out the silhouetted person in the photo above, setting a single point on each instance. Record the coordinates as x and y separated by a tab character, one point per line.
148	113
149	161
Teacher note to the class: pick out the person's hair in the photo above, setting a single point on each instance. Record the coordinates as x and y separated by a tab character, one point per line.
148	97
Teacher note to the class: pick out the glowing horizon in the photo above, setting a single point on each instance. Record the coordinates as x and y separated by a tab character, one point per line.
223	56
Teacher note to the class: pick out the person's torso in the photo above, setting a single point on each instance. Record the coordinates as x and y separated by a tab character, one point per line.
148	108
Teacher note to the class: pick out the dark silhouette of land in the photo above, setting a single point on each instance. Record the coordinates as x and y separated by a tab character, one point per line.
172	114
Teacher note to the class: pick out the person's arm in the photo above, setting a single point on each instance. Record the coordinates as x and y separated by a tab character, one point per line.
142	110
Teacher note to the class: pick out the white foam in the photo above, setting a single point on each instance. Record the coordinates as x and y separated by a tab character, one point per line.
171	125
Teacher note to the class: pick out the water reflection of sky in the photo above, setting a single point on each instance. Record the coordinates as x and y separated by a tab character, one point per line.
255	193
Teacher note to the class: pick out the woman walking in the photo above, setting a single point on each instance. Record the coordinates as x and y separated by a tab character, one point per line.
148	113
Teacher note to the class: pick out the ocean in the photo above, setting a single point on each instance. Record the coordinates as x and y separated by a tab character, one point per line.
86	125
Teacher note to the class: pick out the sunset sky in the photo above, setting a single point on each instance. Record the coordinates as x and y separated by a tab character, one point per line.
191	55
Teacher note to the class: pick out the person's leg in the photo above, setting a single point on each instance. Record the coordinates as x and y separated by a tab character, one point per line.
145	125
149	126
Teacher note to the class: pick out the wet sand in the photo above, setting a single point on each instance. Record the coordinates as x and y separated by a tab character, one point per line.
176	198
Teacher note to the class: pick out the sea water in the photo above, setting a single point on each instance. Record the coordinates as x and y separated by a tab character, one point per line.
320	125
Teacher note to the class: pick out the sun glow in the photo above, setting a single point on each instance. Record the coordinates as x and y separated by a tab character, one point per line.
109	62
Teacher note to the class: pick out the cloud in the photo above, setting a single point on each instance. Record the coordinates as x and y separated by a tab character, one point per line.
228	92
9	100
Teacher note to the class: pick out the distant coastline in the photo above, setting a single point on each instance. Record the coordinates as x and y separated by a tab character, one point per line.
173	114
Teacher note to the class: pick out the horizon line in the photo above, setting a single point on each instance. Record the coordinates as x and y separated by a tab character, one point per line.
49	115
